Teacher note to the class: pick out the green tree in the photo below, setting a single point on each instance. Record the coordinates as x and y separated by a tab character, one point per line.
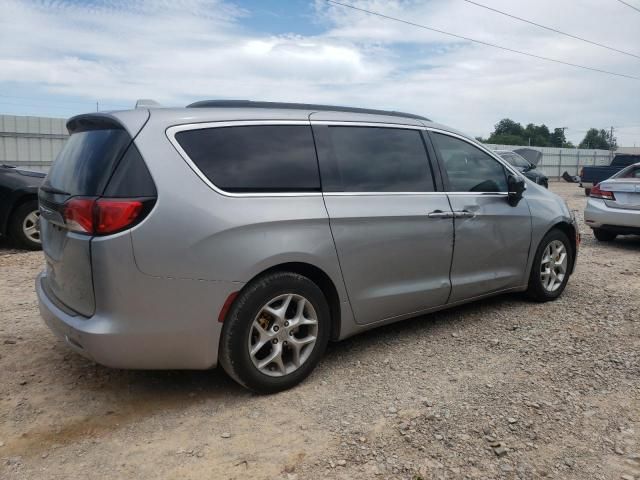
507	132
599	139
506	126
538	135
557	139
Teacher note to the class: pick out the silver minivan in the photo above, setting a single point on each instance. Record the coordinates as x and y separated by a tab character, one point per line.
250	234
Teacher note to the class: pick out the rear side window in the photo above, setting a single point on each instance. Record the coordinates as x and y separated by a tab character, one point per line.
376	159
131	178
87	160
468	168
260	158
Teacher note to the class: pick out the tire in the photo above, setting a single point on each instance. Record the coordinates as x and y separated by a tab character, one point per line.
240	329
587	192
24	216
604	235
537	290
545	184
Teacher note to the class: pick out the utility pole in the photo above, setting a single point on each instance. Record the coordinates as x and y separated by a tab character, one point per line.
611	145
97	108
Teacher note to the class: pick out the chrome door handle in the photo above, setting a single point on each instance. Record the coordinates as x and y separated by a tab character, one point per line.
463	214
440	214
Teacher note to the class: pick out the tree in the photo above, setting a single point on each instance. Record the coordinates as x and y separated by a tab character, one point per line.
509	132
599	139
557	139
506	126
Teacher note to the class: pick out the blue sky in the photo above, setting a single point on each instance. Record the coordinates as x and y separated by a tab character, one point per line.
58	58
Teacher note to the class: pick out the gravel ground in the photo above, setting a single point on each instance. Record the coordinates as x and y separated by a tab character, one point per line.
503	388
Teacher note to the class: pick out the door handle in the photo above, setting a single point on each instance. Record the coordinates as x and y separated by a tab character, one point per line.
463	214
440	214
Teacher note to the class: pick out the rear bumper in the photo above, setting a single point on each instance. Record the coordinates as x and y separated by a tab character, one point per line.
599	215
187	340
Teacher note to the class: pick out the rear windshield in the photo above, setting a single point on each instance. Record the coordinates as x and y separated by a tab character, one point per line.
87	160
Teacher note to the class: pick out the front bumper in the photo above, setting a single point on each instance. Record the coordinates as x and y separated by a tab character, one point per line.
598	215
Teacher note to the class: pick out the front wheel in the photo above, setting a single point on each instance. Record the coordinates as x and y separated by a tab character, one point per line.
275	332
550	270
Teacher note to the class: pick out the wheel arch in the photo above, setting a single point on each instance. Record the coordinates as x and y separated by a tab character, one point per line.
570	231
320	278
19	198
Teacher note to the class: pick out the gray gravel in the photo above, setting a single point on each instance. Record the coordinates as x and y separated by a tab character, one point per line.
503	388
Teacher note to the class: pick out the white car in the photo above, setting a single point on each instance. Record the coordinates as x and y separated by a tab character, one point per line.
613	207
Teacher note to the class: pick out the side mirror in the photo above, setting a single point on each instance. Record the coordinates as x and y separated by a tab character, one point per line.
532	166
517	187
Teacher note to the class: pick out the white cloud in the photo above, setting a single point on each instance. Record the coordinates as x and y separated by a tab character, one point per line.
180	51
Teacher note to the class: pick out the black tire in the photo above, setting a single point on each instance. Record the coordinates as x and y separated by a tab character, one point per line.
604	235
536	290
234	353
545	183
587	192
16	232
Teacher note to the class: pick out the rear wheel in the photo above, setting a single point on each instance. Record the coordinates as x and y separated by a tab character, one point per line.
604	235
587	192
550	270
24	226
275	332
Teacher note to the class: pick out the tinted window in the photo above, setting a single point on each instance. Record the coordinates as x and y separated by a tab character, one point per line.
131	178
87	160
468	168
373	159
263	158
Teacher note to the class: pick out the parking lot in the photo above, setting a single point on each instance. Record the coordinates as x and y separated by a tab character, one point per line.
504	388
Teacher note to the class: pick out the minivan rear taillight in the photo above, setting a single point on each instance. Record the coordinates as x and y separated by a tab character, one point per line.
597	192
102	216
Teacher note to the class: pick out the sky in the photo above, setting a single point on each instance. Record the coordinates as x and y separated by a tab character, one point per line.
59	57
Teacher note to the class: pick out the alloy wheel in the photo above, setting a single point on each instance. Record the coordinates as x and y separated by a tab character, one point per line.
553	266
31	226
283	334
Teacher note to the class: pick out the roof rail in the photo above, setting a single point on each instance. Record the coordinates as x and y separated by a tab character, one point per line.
298	106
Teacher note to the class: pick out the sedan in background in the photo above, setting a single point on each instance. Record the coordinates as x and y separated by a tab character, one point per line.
613	207
525	167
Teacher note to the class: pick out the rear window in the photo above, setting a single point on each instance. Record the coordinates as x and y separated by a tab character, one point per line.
260	158
87	160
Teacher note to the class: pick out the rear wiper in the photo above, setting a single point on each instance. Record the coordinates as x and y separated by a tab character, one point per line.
48	189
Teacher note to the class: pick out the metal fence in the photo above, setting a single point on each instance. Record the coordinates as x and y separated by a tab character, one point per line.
556	161
32	142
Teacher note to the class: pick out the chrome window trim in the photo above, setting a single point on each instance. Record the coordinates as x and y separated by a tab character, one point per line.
342	123
171	132
357	194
